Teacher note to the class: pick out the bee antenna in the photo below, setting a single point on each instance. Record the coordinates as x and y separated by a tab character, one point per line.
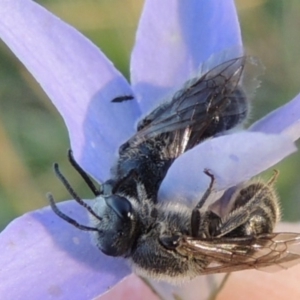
65	217
67	185
83	174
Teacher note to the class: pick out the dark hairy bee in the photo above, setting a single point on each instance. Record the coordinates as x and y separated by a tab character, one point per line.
209	104
169	240
205	106
174	242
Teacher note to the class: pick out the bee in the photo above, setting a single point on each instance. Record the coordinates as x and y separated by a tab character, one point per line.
127	219
174	242
207	105
204	107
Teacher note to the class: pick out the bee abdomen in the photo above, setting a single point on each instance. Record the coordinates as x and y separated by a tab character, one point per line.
260	201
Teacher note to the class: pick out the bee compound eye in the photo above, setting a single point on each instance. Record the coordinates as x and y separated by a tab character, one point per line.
120	205
170	242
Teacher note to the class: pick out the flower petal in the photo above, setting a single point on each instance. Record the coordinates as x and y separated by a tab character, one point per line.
44	257
232	159
77	77
285	119
173	38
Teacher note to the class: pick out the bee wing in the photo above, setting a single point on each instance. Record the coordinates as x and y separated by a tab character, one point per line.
206	105
269	252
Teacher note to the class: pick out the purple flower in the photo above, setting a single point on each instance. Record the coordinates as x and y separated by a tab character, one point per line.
43	257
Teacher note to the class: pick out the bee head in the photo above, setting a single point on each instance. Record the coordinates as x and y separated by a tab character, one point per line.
115	225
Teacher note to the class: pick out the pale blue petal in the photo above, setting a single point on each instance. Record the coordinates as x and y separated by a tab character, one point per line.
173	38
77	77
285	119
232	159
44	257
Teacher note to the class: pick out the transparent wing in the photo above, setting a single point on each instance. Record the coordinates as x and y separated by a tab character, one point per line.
205	106
269	252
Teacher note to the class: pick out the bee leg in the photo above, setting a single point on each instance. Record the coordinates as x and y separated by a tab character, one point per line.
273	179
211	223
208	191
235	219
196	216
195	222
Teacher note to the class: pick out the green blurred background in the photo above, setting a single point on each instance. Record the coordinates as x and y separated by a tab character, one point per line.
33	135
